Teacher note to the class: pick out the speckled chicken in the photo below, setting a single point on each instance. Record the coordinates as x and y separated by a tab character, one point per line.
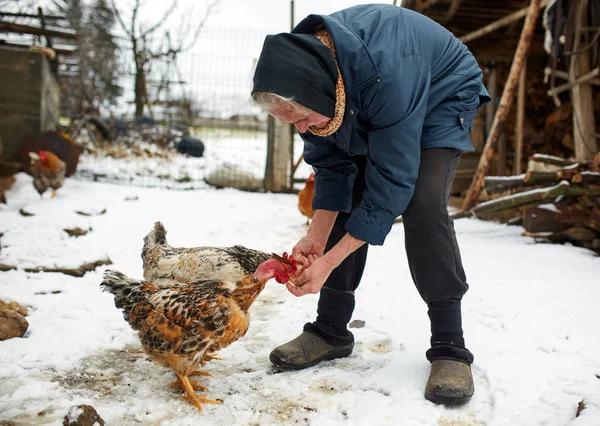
163	263
48	171
181	325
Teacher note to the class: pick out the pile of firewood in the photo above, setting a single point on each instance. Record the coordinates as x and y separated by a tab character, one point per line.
557	200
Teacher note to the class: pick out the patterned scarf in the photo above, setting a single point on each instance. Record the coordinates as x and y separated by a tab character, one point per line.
340	93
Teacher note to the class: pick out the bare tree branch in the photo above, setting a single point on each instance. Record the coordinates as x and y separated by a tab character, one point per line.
120	20
134	15
209	9
162	20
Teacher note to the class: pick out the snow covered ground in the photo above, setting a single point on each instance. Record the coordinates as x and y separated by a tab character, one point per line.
226	151
531	318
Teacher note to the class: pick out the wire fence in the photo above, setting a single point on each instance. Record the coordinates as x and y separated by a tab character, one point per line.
222	119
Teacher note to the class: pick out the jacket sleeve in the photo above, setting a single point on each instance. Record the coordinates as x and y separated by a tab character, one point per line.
396	108
335	173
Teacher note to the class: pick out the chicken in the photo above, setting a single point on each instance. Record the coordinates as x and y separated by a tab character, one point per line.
305	197
163	262
48	171
181	325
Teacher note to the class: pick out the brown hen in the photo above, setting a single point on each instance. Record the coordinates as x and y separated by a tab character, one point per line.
181	325
305	197
48	171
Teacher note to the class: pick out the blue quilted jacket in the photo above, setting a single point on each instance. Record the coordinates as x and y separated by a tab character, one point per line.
410	85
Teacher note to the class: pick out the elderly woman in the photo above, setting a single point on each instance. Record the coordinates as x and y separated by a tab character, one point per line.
384	99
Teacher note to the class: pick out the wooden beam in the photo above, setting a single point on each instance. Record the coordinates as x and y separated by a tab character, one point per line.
28	15
518	155
584	126
10	27
505	104
587	78
451	12
502	22
60	50
560	74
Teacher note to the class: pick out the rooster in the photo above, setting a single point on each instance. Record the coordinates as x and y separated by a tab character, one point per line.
163	262
180	325
48	171
305	197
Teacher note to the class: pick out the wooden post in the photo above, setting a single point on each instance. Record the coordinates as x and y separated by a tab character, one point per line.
277	169
584	127
505	103
490	108
502	154
291	127
518	157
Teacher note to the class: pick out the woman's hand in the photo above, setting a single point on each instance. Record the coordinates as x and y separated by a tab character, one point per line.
312	279
308	250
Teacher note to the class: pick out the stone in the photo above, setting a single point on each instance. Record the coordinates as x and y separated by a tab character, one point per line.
357	324
82	415
12	324
14	306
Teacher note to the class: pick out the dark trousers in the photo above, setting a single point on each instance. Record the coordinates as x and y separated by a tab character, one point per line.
431	248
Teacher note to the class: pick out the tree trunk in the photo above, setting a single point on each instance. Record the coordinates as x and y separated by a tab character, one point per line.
140	89
505	103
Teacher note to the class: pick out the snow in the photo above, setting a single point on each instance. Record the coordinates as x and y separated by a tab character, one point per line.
530	318
549	157
244	151
549	206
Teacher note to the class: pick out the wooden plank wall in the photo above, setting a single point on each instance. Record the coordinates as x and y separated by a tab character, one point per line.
29	98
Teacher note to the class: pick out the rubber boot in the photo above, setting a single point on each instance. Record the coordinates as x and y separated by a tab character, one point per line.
310	348
450	382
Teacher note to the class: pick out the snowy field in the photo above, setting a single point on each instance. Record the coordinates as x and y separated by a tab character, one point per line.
530	317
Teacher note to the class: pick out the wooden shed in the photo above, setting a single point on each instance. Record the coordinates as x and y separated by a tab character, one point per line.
29	98
539	122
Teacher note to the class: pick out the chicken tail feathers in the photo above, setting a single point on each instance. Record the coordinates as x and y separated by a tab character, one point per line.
156	237
130	295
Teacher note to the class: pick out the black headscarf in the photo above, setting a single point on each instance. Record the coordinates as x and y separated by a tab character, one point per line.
298	66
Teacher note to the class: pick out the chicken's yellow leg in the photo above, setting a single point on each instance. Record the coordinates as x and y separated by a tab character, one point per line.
194	399
199	373
178	383
53	193
210	357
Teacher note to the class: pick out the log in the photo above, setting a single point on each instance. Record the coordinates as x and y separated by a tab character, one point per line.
74	272
551	159
530	197
586	178
572	173
574	234
505	104
541	178
503	183
536	220
596	163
